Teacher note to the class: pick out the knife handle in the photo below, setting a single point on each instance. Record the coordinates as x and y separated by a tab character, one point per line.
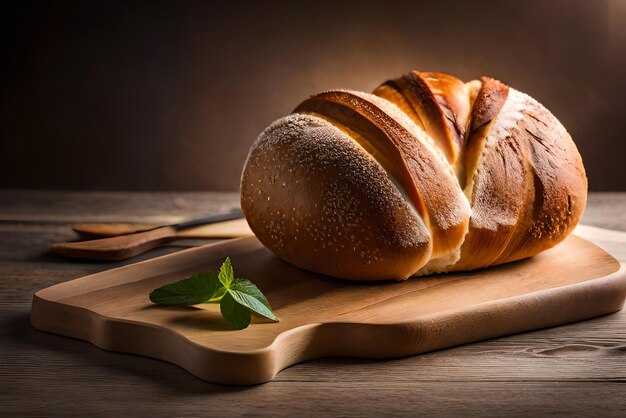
116	248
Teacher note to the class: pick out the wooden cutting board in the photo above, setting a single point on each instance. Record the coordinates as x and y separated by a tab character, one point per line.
321	316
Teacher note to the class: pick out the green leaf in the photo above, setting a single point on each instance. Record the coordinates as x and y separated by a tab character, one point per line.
247	294
246	286
238	298
196	289
237	315
226	275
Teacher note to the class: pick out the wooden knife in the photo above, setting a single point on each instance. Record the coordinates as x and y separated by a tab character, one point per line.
128	240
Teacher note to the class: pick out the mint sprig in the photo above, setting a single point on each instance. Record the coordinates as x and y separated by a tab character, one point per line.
238	298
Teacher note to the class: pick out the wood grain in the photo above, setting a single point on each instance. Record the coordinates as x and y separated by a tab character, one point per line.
322	316
49	375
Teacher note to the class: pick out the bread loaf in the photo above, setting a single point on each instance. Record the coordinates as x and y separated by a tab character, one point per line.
426	175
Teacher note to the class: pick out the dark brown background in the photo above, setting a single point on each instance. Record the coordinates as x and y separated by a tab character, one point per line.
169	96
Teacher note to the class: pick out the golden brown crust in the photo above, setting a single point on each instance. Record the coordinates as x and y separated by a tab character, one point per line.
319	201
318	186
488	103
452	97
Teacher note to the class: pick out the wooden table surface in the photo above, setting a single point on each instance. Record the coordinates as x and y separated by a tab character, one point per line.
575	369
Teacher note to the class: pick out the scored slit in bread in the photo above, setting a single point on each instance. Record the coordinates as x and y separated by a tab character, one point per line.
469	175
